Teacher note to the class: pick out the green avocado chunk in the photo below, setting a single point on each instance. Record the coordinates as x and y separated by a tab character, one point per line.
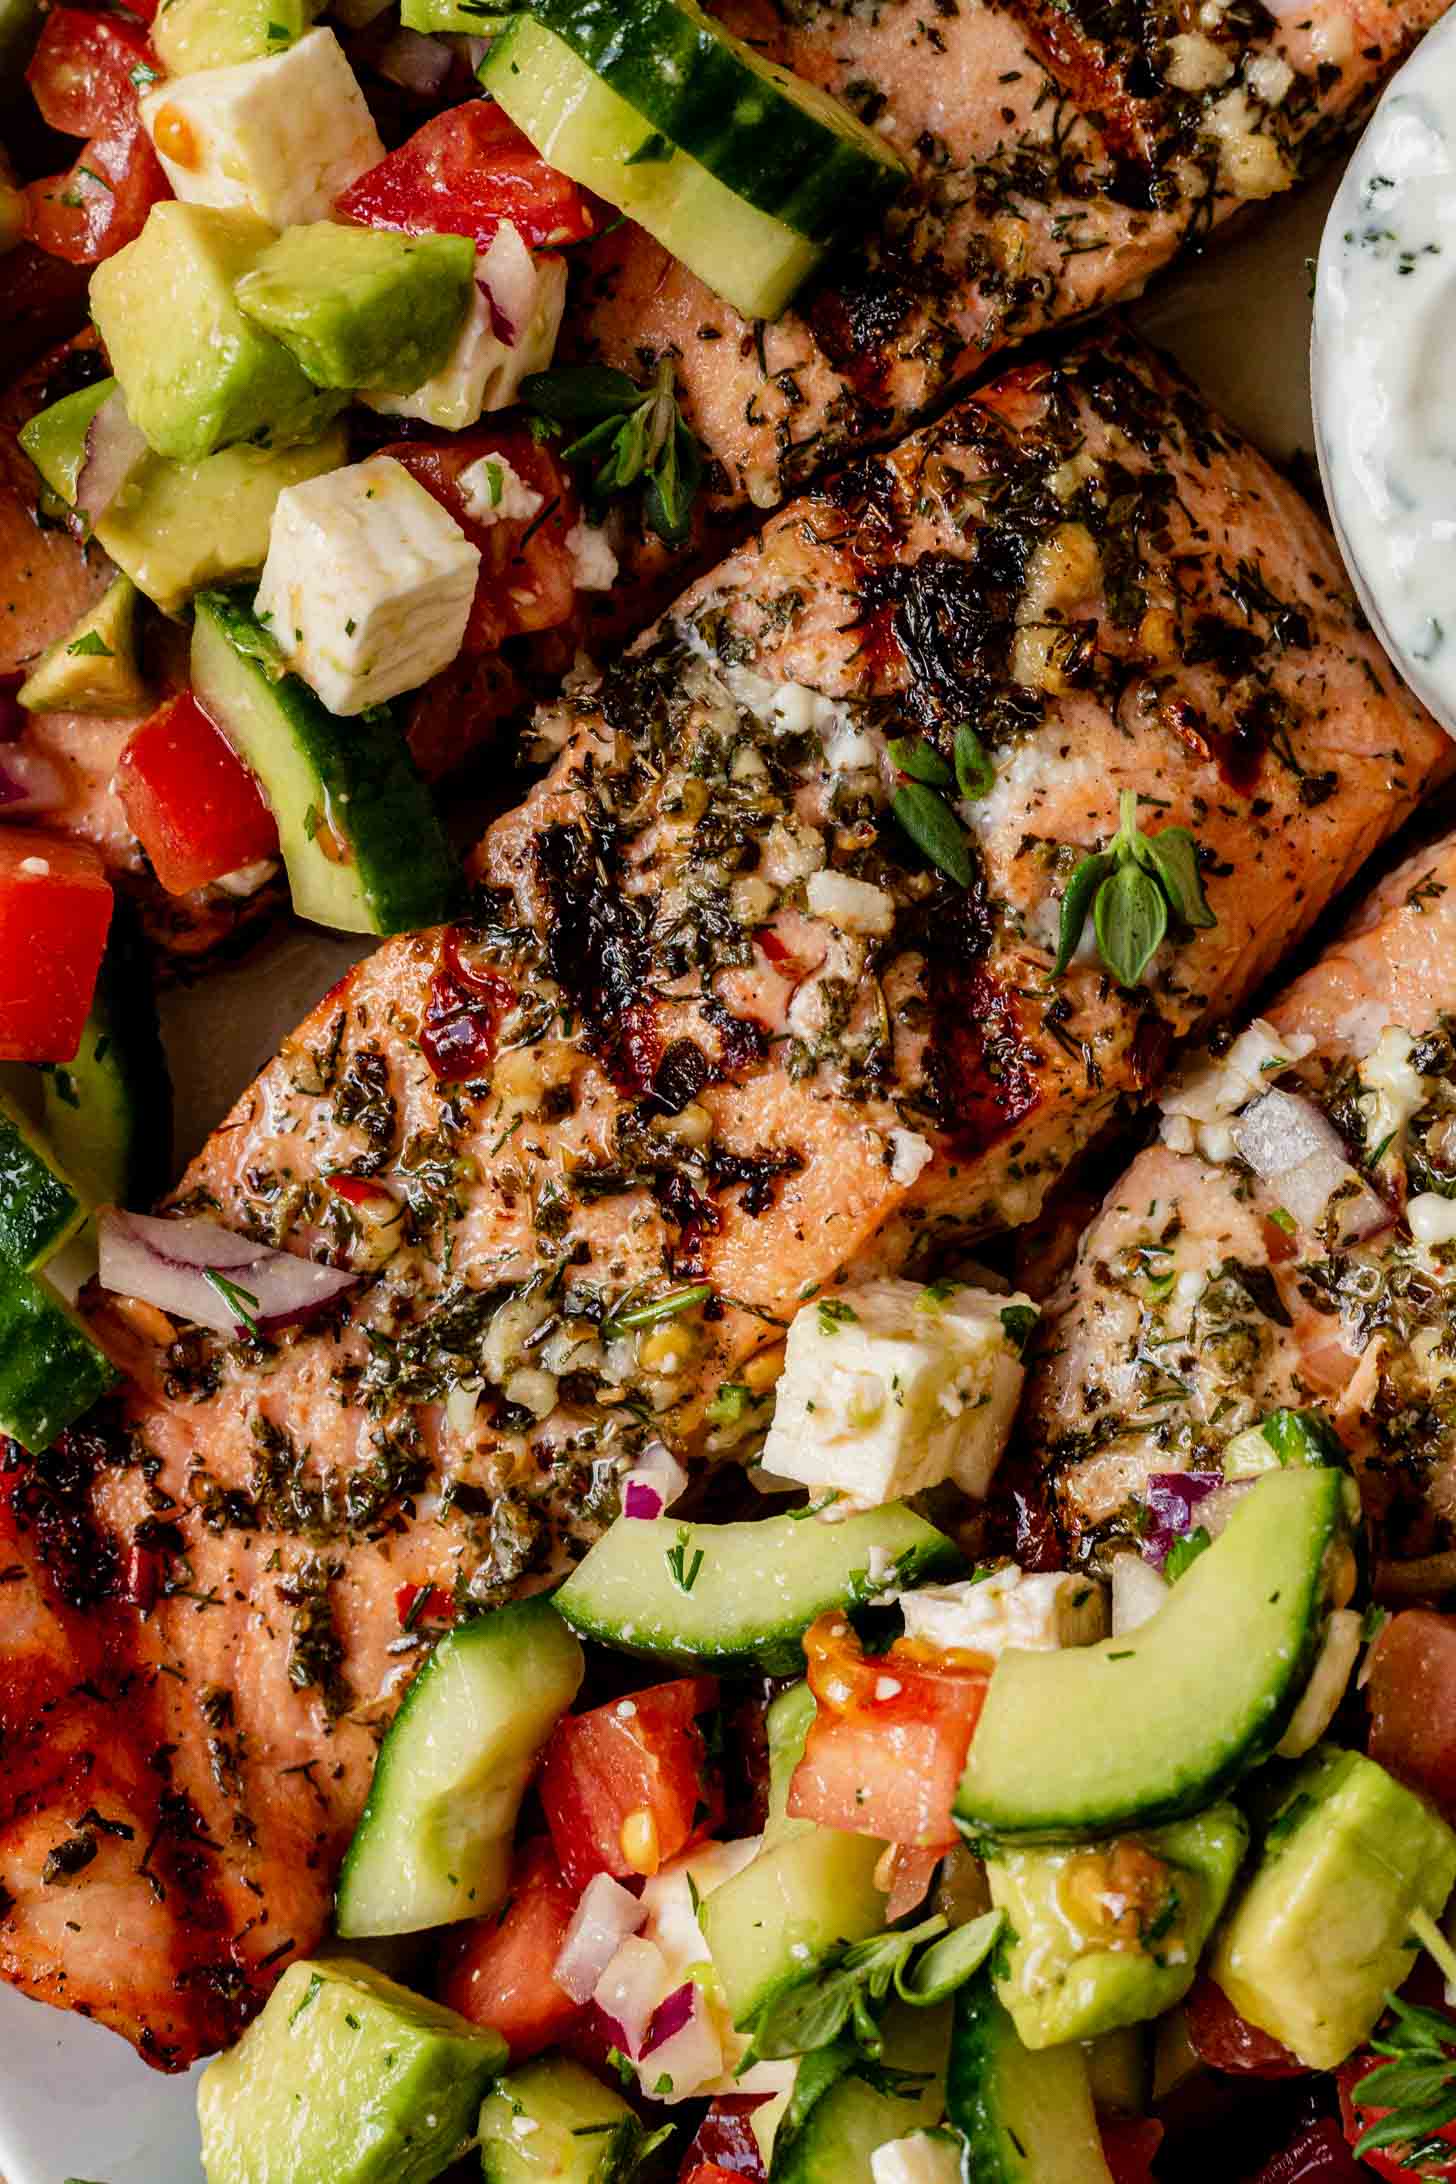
1074	1965
346	2078
1323	1929
362	307
192	34
197	374
94	667
552	2122
176	528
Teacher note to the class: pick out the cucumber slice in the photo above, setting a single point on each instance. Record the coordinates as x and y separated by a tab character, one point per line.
476	18
788	1909
781	144
582	127
831	2140
1120	2070
740	1596
434	1842
1161	1722
40	1207
364	850
1026	2118
787	1723
51	1371
554	2123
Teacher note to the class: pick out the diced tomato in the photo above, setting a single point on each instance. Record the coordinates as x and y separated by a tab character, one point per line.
55	910
462	174
911	1872
415	1604
1227	2041
1357	2120
888	1744
1412	1696
83	74
627	1786
498	1971
725	2145
101	205
192	803
527	578
1128	2148
713	2172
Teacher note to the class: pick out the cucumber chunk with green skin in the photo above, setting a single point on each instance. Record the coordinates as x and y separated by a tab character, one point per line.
51	1371
1323	1930
1026	2118
472	18
364	850
434	1843
783	145
739	1597
40	1206
1285	1439
108	1113
1170	1715
787	1723
552	2122
1055	1980
790	1908
829	2137
193	34
581	126
345	2078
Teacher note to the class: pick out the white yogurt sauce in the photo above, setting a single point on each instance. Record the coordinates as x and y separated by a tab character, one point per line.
1385	369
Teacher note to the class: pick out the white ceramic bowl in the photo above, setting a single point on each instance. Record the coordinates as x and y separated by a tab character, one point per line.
1382	331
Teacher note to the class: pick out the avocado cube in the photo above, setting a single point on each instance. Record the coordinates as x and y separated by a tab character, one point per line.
1107	1934
1323	1930
362	307
346	2078
192	34
197	374
93	668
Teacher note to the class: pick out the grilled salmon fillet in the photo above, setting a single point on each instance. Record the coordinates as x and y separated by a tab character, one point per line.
716	1033
1197	1303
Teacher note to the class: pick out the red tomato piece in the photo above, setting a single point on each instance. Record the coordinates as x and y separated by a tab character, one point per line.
527	578
713	2172
627	1786
498	1971
888	1744
1227	2041
1357	2120
192	803
1128	2147
415	1604
1317	2155
1412	1695
462	174
83	74
55	910
102	203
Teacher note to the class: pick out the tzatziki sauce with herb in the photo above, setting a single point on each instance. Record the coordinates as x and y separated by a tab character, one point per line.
1384	370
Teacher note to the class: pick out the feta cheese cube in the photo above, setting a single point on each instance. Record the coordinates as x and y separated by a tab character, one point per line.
593	564
925	2157
280	136
494	492
889	1388
368	583
510	330
853	905
1038	1612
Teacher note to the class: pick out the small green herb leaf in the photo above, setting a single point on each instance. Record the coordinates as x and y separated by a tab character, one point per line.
1077	902
934	829
1173	854
90	647
974	770
1184	1552
949	1962
914	756
1131	917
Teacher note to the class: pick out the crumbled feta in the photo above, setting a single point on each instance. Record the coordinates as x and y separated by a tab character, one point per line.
593	564
888	1388
1195	63
1394	1090
495	493
1432	1218
925	2157
1199	1107
853	905
248	878
1035	1611
368	583
909	1154
1250	163
1270	77
495	348
281	136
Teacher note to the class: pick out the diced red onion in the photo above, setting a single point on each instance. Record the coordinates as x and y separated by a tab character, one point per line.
683	2045
601	1922
114	447
670	2016
1298	1152
1177	1502
167	1263
654	1483
29	783
414	62
507	274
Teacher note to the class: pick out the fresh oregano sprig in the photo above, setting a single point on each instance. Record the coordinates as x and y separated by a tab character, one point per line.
1416	2082
922	803
838	2000
632	436
1131	889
